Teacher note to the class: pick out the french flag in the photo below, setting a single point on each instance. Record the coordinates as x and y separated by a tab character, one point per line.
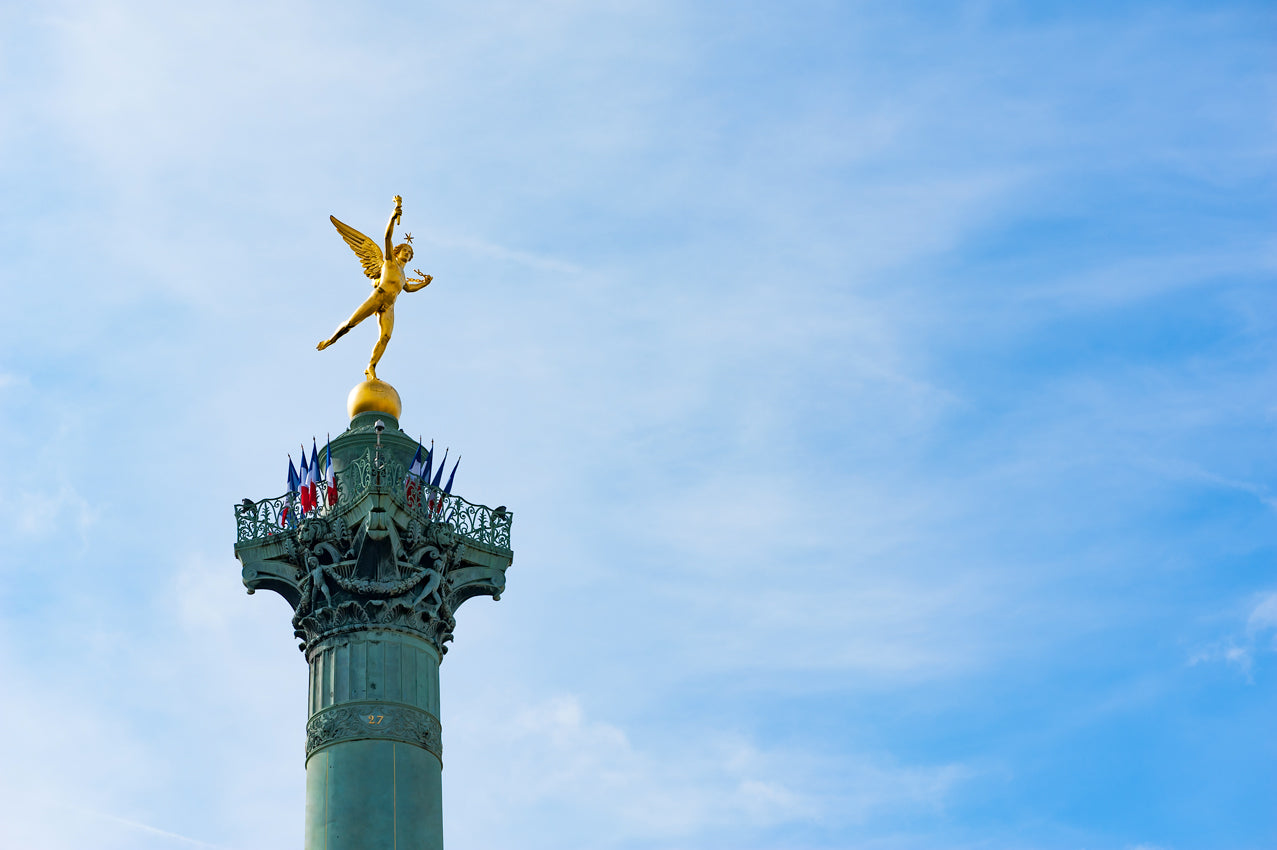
447	488
439	474
330	477
293	484
304	484
436	502
412	481
314	476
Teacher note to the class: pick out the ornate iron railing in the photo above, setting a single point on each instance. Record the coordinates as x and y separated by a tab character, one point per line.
479	523
361	475
282	514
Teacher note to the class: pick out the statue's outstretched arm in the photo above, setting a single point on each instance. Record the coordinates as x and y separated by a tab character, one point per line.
413	285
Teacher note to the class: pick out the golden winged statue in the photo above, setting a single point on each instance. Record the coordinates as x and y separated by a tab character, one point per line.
388	280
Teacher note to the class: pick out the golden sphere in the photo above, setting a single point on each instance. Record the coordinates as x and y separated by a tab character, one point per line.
373	396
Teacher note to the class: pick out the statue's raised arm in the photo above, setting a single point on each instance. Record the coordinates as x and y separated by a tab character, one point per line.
387	273
395	217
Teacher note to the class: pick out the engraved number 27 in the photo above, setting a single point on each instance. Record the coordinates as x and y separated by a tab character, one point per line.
375	719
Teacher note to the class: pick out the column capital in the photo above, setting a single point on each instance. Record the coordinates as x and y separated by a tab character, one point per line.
389	554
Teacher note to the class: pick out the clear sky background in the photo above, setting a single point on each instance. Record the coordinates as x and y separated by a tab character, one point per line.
885	393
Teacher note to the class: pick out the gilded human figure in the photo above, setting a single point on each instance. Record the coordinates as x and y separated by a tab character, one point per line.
387	273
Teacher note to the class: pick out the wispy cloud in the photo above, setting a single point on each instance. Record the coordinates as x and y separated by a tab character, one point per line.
1240	649
527	258
835	363
556	757
45	512
174	838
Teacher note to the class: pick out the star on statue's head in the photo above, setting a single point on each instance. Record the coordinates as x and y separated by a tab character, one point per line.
408	238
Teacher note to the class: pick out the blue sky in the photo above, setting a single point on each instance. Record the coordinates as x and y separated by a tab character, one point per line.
884	392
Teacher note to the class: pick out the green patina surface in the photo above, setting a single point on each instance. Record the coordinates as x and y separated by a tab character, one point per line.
374	581
355	456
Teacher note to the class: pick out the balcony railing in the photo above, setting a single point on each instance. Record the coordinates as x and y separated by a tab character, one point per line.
283	514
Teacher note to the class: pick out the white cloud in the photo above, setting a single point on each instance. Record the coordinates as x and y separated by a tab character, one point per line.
43	513
145	829
754	320
1263	617
1240	649
556	758
165	719
527	258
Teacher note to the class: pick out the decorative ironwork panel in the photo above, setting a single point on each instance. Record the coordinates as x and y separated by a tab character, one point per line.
474	522
479	523
282	514
259	520
363	473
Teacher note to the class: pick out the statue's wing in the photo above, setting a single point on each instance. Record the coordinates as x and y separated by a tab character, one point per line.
368	251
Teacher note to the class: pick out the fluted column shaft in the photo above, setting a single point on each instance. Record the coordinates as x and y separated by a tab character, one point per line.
373	755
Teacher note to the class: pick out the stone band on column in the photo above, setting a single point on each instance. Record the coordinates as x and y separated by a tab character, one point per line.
376	721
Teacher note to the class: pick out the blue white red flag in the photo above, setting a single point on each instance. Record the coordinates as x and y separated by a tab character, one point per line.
303	489
330	477
314	476
436	501
447	488
293	484
439	474
412	481
414	468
